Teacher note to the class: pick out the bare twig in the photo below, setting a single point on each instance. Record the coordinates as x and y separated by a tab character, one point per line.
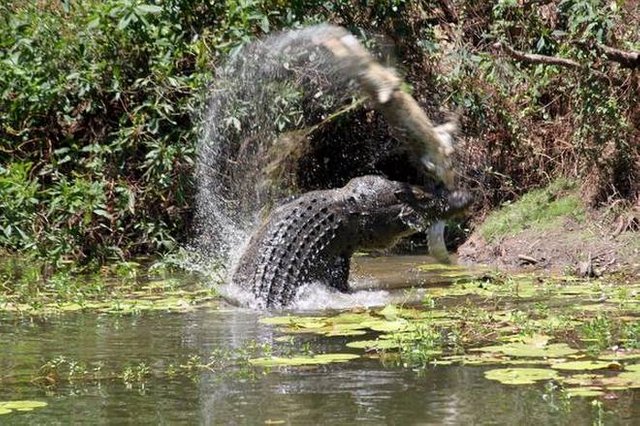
449	10
527	259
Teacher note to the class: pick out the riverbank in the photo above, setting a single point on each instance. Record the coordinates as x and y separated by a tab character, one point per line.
553	229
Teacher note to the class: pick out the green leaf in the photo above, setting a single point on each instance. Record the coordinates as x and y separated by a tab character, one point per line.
144	9
125	20
103	213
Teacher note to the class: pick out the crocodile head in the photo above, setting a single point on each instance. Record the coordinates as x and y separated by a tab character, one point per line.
386	210
424	208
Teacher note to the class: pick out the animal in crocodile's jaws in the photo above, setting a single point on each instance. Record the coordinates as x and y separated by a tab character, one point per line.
312	238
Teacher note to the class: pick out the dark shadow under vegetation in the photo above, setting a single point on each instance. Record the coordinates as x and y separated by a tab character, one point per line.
100	103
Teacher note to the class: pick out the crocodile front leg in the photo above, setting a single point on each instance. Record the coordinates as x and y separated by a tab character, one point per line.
339	273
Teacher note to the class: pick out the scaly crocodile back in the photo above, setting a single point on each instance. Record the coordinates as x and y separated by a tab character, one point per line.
287	249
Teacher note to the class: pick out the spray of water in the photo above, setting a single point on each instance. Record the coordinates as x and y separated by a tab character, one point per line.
264	98
315	296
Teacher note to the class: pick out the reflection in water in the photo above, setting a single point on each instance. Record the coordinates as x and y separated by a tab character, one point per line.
362	391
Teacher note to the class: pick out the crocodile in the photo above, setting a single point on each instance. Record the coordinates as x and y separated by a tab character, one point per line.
312	238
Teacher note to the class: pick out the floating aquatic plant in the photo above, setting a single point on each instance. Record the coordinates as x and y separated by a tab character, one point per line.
586	365
520	376
7	407
553	350
319	359
584	392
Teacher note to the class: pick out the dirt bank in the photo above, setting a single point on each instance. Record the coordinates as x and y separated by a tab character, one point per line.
577	241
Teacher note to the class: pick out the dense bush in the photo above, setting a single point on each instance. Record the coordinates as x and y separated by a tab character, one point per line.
100	99
542	98
98	131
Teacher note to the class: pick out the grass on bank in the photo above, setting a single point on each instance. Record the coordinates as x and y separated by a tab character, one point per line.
538	209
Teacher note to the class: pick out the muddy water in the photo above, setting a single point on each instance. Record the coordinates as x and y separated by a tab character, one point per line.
135	369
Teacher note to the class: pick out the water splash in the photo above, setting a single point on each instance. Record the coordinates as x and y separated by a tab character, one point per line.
265	96
269	96
316	297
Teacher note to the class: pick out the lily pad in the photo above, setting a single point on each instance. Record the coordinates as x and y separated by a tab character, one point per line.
344	332
531	350
390	312
302	360
379	344
351	317
586	365
7	407
537	340
404	336
583	380
584	392
306	322
520	376
386	326
624	380
490	359
345	324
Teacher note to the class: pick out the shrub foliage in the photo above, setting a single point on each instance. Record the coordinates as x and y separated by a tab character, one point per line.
100	101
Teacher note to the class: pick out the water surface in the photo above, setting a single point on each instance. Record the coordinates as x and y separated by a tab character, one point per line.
109	350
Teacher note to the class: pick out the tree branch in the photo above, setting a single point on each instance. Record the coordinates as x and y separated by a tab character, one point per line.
449	10
532	58
626	59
